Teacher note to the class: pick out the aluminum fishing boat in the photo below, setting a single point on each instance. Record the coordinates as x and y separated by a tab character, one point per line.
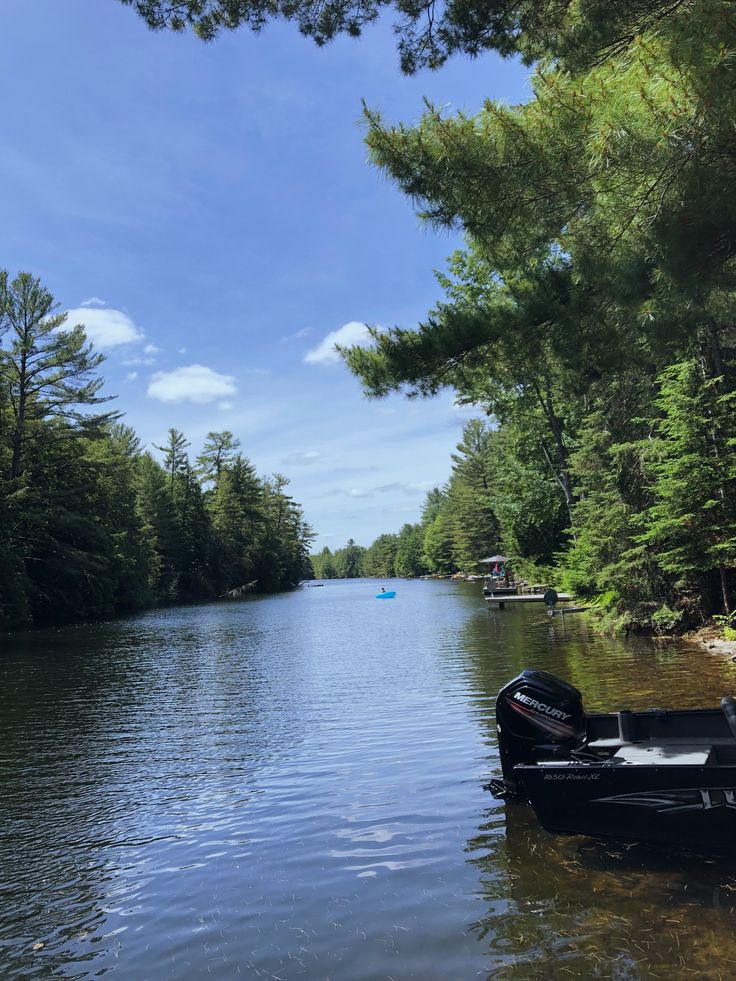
658	776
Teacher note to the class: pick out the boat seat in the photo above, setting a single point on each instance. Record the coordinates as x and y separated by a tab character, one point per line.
674	741
678	754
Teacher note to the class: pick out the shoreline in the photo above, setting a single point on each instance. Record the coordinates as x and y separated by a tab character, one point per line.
708	638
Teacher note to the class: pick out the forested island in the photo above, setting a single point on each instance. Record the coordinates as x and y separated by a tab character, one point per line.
92	524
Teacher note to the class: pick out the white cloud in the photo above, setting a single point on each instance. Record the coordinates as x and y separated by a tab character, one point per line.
226	406
105	328
93	301
325	353
194	383
182	350
131	376
151	349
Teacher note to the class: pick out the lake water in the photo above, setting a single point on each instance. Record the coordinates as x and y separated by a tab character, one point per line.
292	787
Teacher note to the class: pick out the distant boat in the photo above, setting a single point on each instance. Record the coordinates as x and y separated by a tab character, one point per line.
314	585
500	590
389	595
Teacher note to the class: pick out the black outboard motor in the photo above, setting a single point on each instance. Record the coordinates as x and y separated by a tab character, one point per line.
537	716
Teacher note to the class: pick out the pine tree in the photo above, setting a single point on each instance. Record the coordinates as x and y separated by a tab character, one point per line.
47	371
692	522
176	460
218	451
409	560
428	34
379	559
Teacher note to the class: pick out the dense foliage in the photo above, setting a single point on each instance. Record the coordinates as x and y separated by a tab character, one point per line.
430	31
591	314
90	523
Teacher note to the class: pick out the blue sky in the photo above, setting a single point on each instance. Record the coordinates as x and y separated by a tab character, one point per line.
208	212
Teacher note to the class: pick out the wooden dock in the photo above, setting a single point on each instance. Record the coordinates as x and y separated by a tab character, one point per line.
570	609
499	602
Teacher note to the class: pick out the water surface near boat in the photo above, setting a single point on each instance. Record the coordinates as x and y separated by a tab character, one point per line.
292	785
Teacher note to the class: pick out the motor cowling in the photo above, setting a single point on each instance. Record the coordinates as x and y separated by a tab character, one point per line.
537	716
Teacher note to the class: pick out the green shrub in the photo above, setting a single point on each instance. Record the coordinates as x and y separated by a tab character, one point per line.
665	620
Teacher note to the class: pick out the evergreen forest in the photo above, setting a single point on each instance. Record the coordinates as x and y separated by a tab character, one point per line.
492	502
589	318
91	523
590	315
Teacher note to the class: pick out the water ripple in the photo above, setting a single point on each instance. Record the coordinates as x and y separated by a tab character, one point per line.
291	787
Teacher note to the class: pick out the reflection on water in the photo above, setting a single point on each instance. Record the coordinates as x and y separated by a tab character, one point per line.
291	787
571	907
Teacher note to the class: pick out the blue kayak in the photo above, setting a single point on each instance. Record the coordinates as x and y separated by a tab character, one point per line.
386	595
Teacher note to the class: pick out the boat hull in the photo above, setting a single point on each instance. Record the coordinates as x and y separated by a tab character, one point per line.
692	806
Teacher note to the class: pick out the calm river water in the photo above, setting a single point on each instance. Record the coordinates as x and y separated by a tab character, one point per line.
292	787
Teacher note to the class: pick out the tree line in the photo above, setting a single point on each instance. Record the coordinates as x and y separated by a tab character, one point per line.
498	499
92	524
649	531
591	314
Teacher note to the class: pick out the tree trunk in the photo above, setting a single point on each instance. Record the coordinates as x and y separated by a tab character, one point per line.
16	465
558	464
724	590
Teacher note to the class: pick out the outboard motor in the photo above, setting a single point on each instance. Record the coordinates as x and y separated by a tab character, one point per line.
537	716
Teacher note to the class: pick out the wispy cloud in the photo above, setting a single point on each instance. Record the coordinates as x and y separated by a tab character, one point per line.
297	458
105	328
304	332
137	360
193	383
93	301
131	376
396	487
351	333
151	349
349	471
